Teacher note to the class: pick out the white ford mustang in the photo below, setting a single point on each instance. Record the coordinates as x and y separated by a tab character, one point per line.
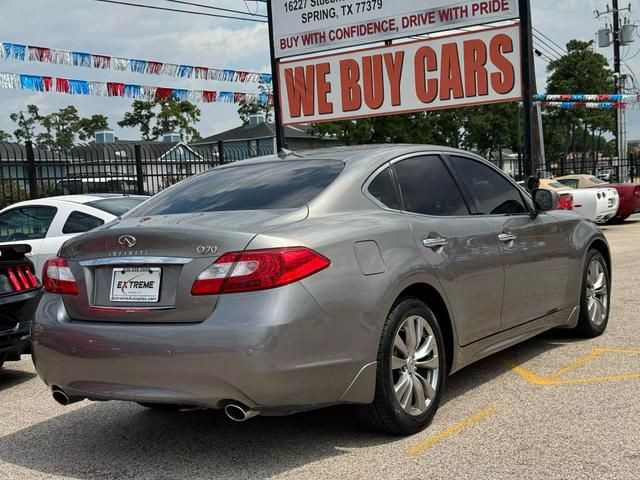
47	223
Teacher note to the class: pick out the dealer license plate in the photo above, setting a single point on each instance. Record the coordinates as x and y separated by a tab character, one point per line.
141	285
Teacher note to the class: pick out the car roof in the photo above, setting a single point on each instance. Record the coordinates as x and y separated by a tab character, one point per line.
357	154
66	199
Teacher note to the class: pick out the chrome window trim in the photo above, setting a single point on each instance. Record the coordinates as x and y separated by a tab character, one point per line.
99	262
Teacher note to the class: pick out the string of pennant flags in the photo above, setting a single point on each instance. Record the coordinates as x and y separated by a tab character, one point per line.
39	83
589	105
580	101
56	56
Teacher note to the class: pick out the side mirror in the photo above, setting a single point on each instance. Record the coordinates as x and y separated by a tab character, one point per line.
545	200
533	183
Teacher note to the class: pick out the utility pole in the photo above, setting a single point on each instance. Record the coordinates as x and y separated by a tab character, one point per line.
526	63
617	80
619	35
277	113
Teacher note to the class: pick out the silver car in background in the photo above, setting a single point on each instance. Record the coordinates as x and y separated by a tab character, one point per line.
361	275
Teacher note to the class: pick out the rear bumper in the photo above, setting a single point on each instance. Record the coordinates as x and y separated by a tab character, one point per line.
273	351
15	341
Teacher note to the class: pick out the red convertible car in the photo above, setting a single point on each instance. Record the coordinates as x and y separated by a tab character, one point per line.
629	193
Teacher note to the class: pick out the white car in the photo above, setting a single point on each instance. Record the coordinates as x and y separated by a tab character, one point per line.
47	223
597	204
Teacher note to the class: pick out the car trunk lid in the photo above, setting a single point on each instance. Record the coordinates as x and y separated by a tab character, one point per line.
141	270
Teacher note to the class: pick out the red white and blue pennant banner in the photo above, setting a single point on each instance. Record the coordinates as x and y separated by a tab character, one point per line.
617	98
40	83
580	105
31	53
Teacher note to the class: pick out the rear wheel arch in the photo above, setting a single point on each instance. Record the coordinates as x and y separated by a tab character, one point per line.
435	301
603	248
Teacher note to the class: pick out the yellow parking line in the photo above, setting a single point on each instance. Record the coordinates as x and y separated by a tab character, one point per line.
555	377
577	364
451	431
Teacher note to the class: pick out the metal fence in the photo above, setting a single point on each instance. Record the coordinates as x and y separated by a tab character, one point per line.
613	170
28	172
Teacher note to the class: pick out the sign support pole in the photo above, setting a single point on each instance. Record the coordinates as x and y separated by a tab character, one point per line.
277	112
527	93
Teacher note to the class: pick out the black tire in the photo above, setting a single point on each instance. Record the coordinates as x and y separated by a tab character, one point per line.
586	327
386	413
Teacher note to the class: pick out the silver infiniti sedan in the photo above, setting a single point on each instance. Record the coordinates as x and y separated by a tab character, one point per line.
362	275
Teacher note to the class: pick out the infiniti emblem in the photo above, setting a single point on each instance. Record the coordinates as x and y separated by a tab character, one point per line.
127	241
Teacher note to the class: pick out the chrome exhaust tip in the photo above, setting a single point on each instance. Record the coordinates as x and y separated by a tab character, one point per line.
62	398
239	413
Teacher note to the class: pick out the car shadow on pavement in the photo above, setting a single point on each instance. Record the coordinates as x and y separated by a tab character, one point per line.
497	365
10	378
120	440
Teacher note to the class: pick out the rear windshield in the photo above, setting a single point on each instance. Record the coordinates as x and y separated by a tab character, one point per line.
246	187
116	206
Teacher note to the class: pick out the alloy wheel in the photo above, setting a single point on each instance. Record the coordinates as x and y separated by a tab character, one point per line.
597	292
415	365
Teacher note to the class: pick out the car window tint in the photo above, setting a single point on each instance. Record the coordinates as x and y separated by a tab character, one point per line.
597	181
383	190
116	206
428	188
492	193
26	223
273	185
79	222
569	182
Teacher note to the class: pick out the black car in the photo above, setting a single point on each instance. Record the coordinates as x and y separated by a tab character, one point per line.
19	294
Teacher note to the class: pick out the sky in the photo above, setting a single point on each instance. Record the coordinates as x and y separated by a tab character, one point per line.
118	30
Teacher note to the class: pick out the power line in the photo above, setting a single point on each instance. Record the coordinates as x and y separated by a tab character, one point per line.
549	53
211	7
175	10
547	37
550	48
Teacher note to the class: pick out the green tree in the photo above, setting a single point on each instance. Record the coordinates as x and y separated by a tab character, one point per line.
4	136
86	128
177	117
581	70
248	108
26	123
155	118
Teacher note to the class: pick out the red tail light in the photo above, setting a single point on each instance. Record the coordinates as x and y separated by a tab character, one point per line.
565	202
258	270
58	278
636	192
21	278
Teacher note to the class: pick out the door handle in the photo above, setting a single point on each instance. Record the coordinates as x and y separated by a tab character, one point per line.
507	237
434	242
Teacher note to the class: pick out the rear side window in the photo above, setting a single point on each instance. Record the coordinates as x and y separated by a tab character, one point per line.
79	222
383	190
274	185
569	182
26	223
492	193
428	188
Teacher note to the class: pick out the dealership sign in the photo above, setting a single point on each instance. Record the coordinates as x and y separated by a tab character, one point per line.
308	26
458	70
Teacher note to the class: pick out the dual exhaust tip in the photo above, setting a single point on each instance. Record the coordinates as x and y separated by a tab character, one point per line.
235	411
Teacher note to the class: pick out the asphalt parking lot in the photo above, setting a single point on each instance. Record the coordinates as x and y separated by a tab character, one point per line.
553	407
